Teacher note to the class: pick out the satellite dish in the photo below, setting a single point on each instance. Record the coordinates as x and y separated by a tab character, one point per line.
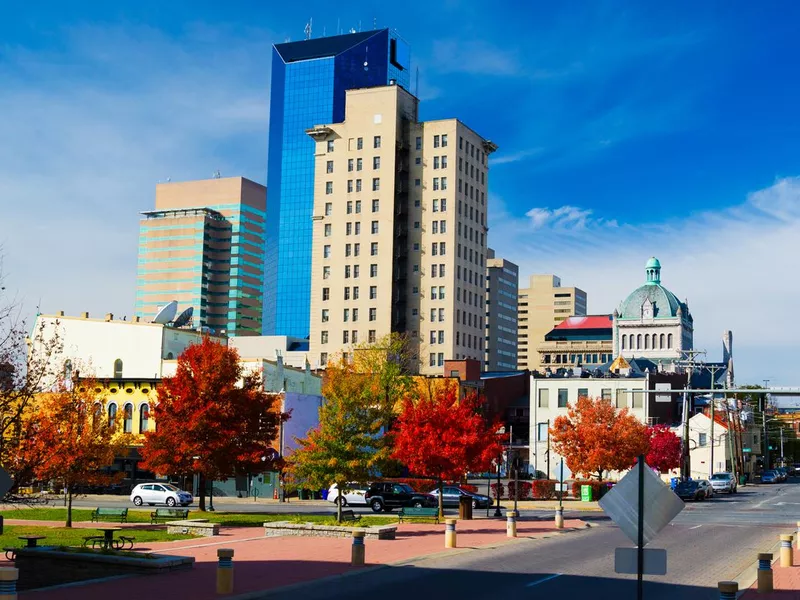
166	313
184	317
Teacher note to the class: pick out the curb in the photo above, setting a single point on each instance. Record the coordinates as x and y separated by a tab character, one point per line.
293	587
748	577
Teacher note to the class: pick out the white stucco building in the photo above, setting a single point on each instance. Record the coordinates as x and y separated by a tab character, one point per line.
652	323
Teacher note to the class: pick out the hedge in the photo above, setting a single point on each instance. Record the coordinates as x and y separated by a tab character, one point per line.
598	488
544	489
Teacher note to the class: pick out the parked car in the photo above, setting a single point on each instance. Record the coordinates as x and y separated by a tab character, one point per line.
690	490
706	486
783	474
451	496
160	493
386	496
795	470
770	477
353	494
723	482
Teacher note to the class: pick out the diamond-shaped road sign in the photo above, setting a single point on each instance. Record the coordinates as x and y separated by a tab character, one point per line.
621	503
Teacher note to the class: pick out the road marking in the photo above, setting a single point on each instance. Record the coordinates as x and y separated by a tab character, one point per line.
696	527
538	581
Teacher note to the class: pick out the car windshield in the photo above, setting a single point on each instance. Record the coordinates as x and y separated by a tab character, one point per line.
406	488
721	476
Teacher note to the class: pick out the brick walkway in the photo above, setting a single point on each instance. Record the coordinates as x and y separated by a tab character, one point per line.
262	563
786	582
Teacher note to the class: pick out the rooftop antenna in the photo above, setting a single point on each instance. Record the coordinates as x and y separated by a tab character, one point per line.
359	27
307	30
323	31
217	174
338	25
416	85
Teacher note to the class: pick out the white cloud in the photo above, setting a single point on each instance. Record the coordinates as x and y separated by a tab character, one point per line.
735	266
90	131
513	157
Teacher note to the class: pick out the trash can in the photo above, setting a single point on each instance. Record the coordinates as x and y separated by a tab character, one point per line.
324	494
301	494
586	493
465	508
742	479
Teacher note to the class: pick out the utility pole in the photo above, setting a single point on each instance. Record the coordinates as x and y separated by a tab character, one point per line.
764	402
713	370
782	458
689	363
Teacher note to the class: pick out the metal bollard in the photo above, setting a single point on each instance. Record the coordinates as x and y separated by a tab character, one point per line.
559	518
728	590
511	524
786	550
8	583
225	571
450	533
358	553
764	572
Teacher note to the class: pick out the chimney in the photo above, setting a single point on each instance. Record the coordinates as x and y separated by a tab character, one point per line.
61	313
85	315
136	319
109	316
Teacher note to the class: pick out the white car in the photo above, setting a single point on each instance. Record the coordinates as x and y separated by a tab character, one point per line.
160	493
353	494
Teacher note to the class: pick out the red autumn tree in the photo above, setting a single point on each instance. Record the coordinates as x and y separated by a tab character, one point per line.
212	418
594	437
70	440
443	437
665	448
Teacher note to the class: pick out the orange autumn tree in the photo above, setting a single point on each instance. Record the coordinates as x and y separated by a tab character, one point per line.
70	439
440	436
594	437
212	419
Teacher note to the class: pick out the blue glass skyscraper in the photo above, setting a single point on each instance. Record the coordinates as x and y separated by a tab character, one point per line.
309	81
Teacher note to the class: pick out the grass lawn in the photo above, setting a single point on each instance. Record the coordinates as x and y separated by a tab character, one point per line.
231	519
63	536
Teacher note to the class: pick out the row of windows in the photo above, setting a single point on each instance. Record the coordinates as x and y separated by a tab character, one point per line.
373	293
437	314
646	341
349	337
471	255
474	342
127	416
357	165
376	186
469	298
439	183
437	337
563	399
572	359
470	276
468	318
438	292
349	229
376	143
471	192
436	359
472	234
351	205
439	226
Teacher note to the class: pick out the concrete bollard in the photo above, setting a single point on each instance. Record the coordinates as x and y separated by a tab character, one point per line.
450	533
786	550
8	583
764	572
358	553
559	518
511	524
728	590
225	571
797	535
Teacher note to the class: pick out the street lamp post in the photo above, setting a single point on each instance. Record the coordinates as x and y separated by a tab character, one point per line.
497	511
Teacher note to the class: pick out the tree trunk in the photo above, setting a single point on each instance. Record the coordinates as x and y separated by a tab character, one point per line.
69	506
340	488
441	499
600	475
202	492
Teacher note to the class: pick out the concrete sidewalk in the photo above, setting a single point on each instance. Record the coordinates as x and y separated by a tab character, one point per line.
262	563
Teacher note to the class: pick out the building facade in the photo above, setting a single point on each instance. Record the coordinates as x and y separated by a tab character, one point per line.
652	323
577	342
309	82
542	305
203	246
399	230
502	284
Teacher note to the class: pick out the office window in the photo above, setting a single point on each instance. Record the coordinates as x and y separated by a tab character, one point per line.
433	337
327	229
376	184
444	140
435	227
349	205
444	183
359	143
583	392
326	293
376	141
621	403
349	165
328	187
441	248
441	292
434	248
444	161
355	292
328	209
323	337
326	272
373	270
541	431
345	337
374	227
375	205
373	292
371	336
605	394
443	223
376	162
436	141
347	293
419	143
348	249
373	314
325	315
347	271
349	186
435	183
441	270
329	166
435	205
358	186
373	249
435	162
323	358
355	268
638	399
348	228
358	227
433	315
440	359
355	315
702	439
544	398
434	292
358	202
359	164
432	361
326	251
441	313
346	315
330	145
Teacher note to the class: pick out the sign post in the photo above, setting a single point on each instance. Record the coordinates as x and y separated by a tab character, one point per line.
640	541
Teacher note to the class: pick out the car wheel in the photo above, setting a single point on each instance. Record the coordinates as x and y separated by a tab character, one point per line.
377	505
418	504
137	501
171	502
340	500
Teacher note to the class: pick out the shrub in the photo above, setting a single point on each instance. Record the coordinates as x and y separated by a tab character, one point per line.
524	490
544	489
598	488
495	490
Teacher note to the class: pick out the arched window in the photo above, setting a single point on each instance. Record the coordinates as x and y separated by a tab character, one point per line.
669	341
118	369
653	342
623	341
112	414
127	423
97	414
646	342
630	341
144	418
661	344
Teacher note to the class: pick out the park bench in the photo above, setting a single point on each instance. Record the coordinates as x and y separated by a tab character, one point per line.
349	515
419	513
110	514
125	540
169	514
94	540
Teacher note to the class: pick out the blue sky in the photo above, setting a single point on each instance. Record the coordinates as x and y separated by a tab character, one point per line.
624	130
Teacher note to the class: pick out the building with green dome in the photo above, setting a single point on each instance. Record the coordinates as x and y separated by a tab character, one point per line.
652	323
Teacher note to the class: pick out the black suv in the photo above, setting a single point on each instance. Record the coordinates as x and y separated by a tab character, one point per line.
385	496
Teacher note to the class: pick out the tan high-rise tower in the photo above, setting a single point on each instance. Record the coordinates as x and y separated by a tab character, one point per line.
399	242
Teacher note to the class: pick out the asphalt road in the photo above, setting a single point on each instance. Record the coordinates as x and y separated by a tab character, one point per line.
708	542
